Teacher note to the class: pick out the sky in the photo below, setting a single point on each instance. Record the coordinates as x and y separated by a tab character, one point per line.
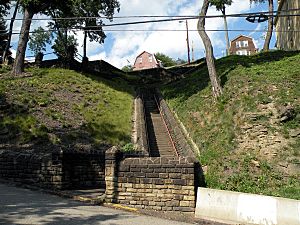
122	45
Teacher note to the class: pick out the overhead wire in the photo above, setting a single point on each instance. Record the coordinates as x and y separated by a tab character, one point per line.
173	17
90	28
160	30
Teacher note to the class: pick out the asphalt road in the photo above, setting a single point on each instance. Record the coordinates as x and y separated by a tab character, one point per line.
23	206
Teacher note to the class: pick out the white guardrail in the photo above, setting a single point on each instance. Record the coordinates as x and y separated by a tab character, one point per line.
241	208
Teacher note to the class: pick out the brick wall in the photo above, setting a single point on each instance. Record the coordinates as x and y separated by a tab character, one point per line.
166	184
41	170
54	170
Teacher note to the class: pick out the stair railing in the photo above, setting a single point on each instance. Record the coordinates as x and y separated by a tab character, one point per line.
170	136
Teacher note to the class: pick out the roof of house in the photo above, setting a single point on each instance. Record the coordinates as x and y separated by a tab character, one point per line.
149	54
241	35
143	53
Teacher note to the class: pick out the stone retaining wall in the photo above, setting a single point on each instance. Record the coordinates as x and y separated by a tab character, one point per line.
140	125
54	170
166	184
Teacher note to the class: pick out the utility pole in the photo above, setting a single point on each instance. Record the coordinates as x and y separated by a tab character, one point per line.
187	41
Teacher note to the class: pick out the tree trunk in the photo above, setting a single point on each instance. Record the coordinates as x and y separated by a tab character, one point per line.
210	60
24	36
39	59
10	31
270	27
226	32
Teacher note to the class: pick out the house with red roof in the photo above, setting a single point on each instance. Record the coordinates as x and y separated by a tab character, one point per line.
146	60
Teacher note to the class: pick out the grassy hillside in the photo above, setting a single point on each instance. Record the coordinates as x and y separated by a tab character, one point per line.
57	108
249	138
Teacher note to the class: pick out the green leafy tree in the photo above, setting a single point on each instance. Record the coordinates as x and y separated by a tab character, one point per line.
127	68
91	26
54	8
270	22
30	8
180	61
210	59
221	6
59	48
66	55
39	39
165	60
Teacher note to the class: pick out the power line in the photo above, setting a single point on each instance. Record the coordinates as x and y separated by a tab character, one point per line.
90	28
173	17
216	30
163	30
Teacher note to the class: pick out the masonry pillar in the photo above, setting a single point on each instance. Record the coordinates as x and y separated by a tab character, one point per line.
111	179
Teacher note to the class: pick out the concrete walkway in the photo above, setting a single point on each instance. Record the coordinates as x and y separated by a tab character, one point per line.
23	206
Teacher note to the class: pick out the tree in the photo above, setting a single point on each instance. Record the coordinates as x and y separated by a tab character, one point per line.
65	8
37	43
210	60
30	8
180	61
221	6
6	50
65	55
165	60
92	26
127	68
270	23
39	39
88	12
58	45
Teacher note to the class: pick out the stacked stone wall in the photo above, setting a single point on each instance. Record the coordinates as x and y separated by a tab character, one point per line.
54	170
166	184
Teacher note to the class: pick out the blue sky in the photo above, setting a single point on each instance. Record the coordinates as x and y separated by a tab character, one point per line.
123	46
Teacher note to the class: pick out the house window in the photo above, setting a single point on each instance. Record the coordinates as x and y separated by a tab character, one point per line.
140	59
242	52
245	44
150	58
240	44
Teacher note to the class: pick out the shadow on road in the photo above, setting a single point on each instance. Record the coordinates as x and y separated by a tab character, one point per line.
21	206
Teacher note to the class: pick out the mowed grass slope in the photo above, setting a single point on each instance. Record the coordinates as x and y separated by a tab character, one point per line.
249	138
65	109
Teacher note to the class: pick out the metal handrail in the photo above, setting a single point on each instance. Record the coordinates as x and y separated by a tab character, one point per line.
173	145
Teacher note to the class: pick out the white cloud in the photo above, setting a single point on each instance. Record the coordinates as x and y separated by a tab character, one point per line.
125	45
128	45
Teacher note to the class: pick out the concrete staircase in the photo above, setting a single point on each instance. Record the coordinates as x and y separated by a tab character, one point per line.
160	143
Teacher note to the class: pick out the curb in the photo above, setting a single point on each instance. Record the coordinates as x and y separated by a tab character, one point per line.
236	207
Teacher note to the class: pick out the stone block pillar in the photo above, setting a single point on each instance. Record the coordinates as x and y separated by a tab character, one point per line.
111	179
